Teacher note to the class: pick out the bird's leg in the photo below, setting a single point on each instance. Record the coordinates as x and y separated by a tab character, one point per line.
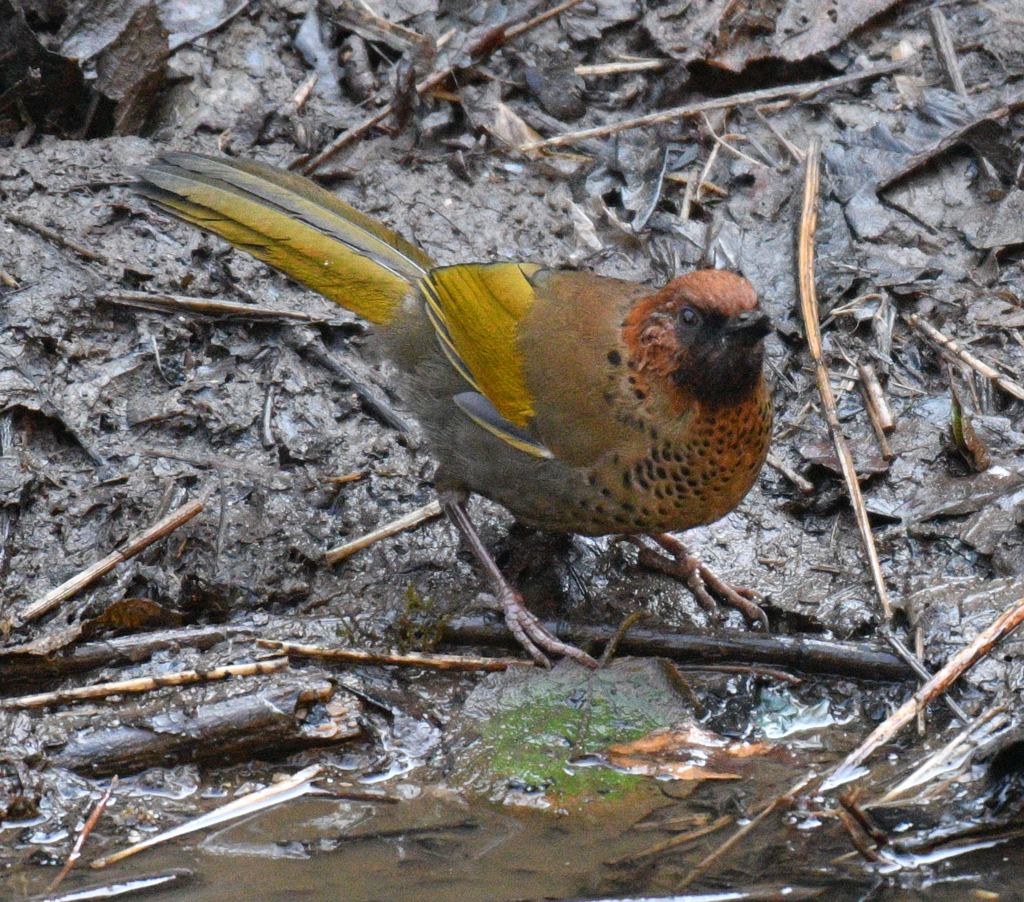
703	582
528	630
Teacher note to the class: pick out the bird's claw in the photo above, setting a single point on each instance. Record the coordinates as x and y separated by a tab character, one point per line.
743	600
703	582
536	638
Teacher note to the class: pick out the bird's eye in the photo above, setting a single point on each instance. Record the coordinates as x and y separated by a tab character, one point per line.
688	316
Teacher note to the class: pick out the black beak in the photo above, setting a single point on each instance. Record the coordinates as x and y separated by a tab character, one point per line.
751	326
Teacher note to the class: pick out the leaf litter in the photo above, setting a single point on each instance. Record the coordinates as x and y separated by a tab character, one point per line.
117	415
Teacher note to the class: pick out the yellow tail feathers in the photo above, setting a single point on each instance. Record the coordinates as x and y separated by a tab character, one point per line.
294	225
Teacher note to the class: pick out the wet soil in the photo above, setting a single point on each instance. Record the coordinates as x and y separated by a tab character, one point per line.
113	415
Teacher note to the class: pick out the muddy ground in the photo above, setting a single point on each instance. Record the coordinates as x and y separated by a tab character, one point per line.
113	415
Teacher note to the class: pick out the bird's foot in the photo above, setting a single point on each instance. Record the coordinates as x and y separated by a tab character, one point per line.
529	632
534	636
701	580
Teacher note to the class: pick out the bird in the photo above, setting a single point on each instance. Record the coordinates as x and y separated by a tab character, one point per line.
581	403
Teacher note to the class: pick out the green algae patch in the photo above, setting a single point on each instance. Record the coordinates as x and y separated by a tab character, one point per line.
533	737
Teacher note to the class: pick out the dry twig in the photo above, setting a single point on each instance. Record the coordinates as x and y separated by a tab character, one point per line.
801	653
811	318
57	238
295	786
723	141
490	42
176	303
803	484
411	659
923	673
795	152
620	67
83	834
743	831
807	89
947	760
858	836
876	397
959	664
613	646
64	591
299	96
877	407
144	684
116	651
414	518
948	344
345	478
945	50
673	842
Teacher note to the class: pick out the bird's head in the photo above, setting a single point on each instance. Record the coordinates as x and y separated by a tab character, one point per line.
702	335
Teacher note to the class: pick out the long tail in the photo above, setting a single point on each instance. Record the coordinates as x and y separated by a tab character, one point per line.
292	224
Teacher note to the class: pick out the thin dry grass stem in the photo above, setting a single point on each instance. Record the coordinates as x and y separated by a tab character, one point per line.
673	842
83	834
959	664
1001	14
707	862
683	823
880	436
753	669
175	303
64	591
624	627
844	858
950	346
922	721
803	484
797	423
530	24
687	202
769	158
58	239
913	661
807	89
705	172
944	49
344	478
299	96
848	380
850	802
795	152
948	759
431	81
861	841
410	659
722	141
414	518
853	306
809	309
186	37
877	407
292	787
144	684
401	38
875	395
267	438
446	37
620	67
